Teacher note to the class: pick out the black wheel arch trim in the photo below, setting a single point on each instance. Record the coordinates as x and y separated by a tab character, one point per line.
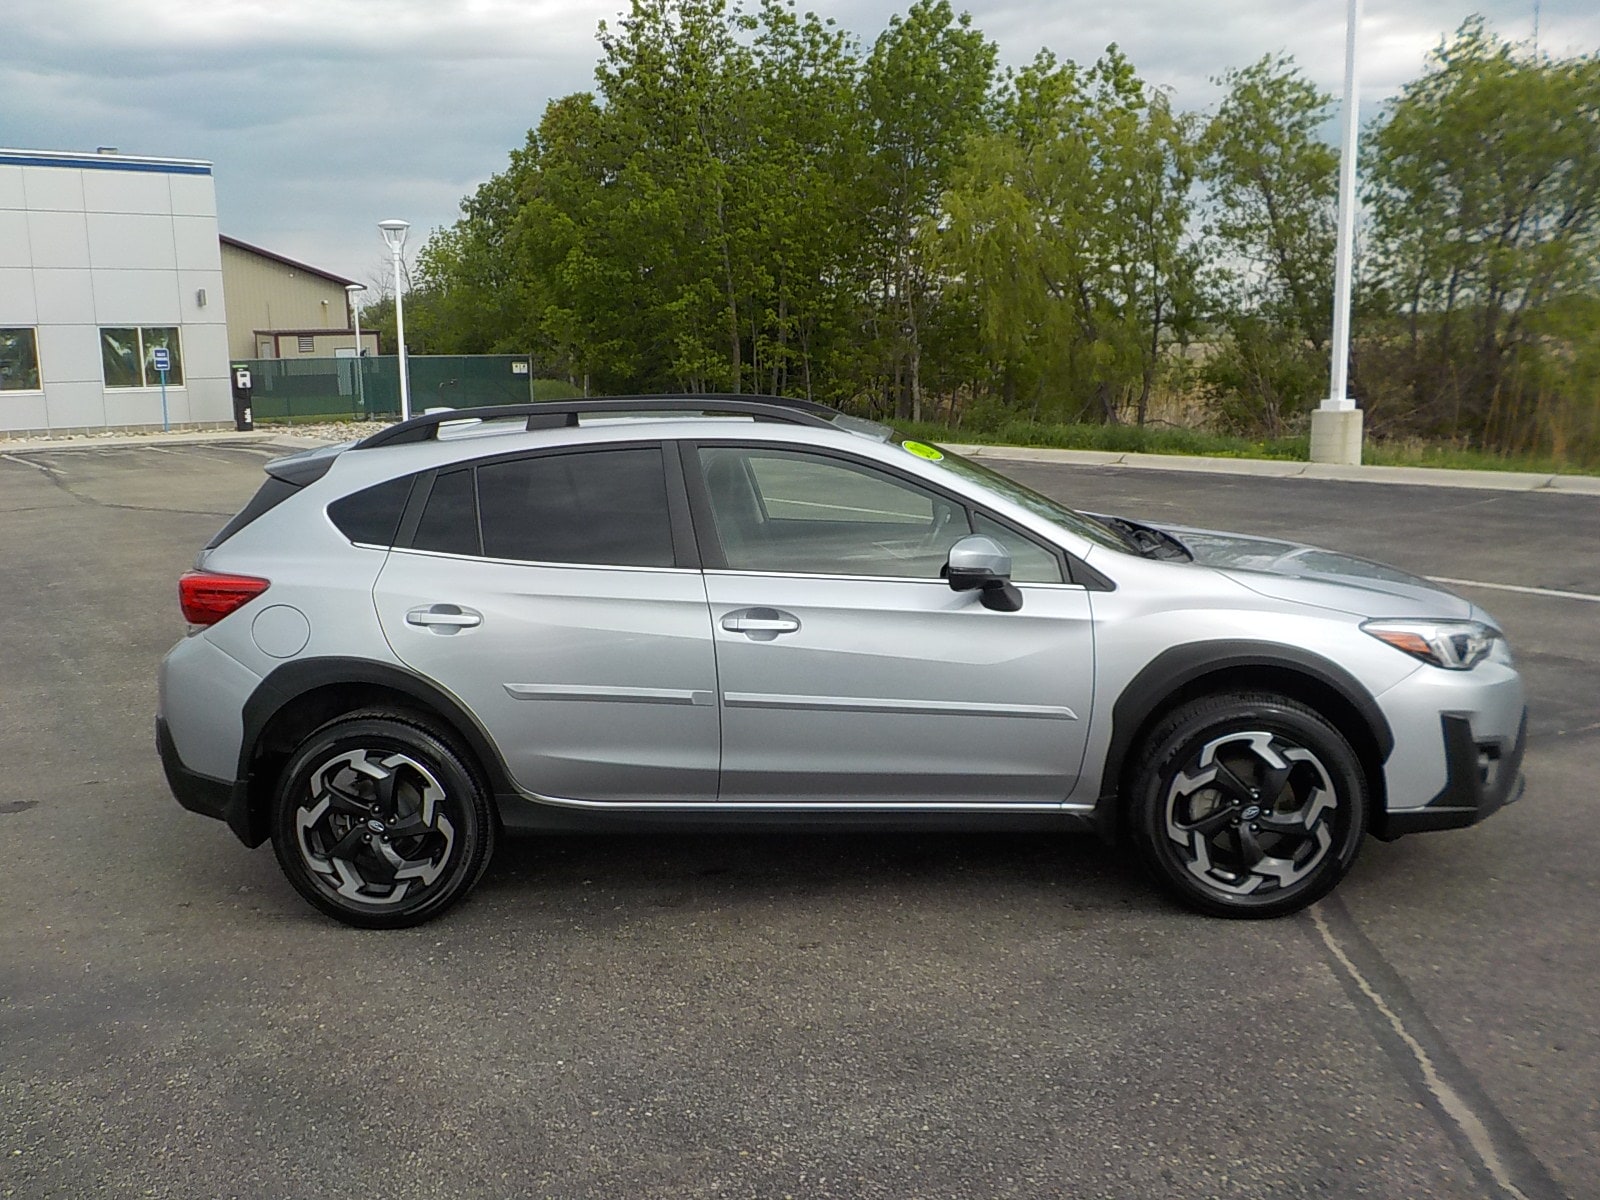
294	680
1166	675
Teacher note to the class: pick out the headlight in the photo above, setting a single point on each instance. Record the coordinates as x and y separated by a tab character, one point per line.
1453	645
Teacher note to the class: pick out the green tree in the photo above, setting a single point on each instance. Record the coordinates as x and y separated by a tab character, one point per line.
924	92
1069	228
1272	182
1484	191
1146	157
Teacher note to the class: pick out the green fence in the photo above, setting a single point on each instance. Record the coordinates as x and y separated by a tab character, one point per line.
333	389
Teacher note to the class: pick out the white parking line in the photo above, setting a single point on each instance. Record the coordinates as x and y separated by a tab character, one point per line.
1456	1106
1516	587
24	462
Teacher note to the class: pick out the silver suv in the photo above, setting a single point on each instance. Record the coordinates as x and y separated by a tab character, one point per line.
667	612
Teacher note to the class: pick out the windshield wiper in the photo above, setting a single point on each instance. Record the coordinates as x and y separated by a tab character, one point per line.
1146	540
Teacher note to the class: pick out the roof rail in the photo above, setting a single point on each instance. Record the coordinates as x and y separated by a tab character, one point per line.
556	414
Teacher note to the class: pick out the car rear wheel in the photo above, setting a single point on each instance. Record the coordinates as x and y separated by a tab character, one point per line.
380	822
1248	805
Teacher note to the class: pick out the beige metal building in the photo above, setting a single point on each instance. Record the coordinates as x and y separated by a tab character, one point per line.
279	308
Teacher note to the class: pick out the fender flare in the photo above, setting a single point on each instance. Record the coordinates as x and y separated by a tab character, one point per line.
293	680
1174	670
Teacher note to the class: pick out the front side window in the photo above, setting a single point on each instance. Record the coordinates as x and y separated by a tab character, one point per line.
1030	562
128	355
785	510
19	360
599	507
1038	505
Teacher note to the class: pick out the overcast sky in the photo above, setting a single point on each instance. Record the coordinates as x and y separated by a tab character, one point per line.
323	117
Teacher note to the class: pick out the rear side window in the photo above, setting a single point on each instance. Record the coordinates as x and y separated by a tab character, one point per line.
603	507
372	515
450	521
598	507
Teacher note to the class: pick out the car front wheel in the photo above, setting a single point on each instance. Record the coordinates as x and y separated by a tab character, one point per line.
380	822
1247	805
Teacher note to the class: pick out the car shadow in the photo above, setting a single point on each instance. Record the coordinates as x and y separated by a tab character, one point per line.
689	870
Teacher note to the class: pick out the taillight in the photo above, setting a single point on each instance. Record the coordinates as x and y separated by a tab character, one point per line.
206	596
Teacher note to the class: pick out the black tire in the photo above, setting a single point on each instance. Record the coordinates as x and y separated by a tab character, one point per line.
380	822
1247	805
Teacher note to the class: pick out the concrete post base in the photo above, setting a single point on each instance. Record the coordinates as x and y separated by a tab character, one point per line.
1336	436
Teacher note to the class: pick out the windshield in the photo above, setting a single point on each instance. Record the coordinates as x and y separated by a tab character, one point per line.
1039	506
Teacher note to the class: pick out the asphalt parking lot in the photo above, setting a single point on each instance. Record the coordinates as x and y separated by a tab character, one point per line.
892	1016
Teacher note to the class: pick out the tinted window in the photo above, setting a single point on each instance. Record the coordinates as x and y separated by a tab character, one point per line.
779	510
373	514
450	521
603	506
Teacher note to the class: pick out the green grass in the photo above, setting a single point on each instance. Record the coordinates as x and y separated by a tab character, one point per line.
1130	439
1120	439
1420	454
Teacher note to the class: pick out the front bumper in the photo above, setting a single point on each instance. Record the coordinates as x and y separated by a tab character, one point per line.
1482	777
216	798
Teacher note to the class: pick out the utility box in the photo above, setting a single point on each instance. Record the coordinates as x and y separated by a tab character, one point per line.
242	418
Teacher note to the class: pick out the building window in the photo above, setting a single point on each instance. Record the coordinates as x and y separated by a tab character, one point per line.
19	361
128	356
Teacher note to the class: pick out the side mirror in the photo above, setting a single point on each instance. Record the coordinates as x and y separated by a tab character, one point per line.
981	564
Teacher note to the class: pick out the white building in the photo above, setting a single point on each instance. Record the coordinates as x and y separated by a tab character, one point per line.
104	259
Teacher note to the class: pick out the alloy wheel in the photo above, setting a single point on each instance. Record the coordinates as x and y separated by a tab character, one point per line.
373	827
1251	813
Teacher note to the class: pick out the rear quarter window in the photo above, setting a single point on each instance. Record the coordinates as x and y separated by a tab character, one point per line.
372	515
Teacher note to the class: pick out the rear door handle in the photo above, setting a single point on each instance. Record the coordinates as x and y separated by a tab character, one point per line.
761	624
445	618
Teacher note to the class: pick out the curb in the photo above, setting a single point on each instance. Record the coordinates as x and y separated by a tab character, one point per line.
1494	481
114	441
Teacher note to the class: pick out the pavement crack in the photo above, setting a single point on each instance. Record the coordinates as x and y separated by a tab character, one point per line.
59	479
1490	1144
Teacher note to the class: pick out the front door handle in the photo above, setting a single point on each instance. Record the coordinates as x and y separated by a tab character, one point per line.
444	618
760	624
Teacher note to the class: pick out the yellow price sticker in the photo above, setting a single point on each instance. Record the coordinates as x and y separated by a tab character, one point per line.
922	450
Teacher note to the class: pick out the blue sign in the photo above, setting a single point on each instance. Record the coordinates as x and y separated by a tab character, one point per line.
161	359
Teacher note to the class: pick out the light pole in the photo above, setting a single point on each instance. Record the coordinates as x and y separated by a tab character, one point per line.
1336	425
350	290
394	233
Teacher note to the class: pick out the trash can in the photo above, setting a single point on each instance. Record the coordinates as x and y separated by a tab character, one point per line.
242	419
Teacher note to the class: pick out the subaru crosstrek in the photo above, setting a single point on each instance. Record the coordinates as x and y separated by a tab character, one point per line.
663	613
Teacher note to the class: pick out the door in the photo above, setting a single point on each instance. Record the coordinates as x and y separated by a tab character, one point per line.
545	592
850	672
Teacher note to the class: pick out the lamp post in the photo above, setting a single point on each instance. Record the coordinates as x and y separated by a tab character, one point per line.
1336	424
394	233
350	290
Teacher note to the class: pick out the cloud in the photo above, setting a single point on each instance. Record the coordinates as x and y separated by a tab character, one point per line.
324	116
